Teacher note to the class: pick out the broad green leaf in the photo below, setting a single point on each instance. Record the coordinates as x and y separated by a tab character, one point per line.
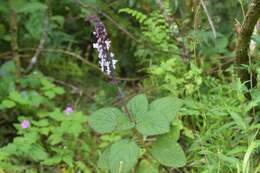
147	167
107	120
123	156
167	106
173	134
123	123
7	104
103	161
168	152
152	123
138	105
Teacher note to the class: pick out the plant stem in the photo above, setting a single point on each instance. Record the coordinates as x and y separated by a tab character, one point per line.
14	42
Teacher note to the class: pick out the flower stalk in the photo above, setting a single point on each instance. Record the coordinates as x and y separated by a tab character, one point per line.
106	57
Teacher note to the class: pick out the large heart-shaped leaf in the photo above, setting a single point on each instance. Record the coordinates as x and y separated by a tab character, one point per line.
167	106
109	119
123	156
138	105
152	123
168	152
103	161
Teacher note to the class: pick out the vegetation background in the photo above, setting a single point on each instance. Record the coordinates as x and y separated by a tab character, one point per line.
189	72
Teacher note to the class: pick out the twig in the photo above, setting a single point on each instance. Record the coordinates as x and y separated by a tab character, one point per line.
73	88
68	53
209	18
14	42
43	39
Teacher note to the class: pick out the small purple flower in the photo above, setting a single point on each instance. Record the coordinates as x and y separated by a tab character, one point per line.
68	110
25	124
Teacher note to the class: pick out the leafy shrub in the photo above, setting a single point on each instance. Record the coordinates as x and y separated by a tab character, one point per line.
147	121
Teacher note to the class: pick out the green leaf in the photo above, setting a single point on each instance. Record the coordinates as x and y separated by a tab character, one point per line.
123	123
138	105
103	161
68	159
123	156
174	133
147	167
56	115
7	104
168	152
238	120
221	42
41	123
58	90
56	137
152	123
38	153
15	96
52	161
50	94
107	120
31	7
167	106
16	5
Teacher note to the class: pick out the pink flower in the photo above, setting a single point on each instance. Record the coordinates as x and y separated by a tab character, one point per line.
68	110
25	124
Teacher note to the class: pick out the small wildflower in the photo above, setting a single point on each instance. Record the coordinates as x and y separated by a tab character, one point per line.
25	124
68	110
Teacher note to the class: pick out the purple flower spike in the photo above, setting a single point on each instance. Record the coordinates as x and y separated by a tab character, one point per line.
68	110
25	124
103	44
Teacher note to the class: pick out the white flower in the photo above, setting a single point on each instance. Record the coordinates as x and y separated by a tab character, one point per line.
108	43
114	61
95	45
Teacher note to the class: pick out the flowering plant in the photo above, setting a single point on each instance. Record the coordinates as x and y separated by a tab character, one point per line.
103	44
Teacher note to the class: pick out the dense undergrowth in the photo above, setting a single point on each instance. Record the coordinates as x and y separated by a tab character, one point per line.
176	103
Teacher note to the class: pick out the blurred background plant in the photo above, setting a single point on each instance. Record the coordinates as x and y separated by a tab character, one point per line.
170	48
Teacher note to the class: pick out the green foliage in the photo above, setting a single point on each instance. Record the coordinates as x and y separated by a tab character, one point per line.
168	152
122	155
51	130
109	119
196	115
